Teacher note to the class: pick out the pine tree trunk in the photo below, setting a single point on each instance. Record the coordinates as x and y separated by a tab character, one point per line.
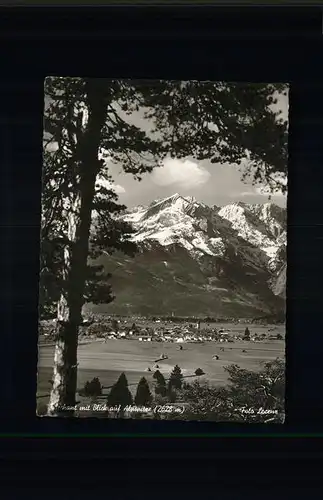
69	313
78	215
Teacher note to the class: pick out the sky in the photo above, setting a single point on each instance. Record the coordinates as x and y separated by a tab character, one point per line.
212	184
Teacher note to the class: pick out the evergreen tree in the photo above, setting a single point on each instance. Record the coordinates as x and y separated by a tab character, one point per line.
86	128
92	389
95	387
143	395
246	334
160	387
223	121
176	378
120	394
83	132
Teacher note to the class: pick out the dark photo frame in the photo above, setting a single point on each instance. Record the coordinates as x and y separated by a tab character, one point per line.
247	44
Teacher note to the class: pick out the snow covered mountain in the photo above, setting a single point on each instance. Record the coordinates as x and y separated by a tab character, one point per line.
195	259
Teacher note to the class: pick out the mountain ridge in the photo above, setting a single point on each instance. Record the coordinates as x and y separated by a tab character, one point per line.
198	259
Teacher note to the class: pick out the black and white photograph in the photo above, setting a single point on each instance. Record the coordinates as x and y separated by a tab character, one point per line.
162	289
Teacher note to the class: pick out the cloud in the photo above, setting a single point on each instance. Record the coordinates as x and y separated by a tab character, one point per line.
259	191
244	193
182	173
117	188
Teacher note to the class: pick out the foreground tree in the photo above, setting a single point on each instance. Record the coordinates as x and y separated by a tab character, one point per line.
83	125
86	125
224	122
256	397
92	389
120	394
264	389
176	378
160	387
143	395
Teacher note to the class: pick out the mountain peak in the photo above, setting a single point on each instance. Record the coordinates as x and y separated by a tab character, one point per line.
239	204
168	199
190	199
224	261
173	197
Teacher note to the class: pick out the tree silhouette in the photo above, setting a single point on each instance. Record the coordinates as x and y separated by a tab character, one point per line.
160	387
143	395
120	394
79	206
92	388
253	390
176	378
246	334
221	121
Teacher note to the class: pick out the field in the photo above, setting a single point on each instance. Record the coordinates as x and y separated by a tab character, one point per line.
108	360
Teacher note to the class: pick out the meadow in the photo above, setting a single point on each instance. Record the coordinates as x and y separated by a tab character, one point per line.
108	360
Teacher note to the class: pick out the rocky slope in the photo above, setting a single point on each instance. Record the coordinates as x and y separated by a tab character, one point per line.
194	259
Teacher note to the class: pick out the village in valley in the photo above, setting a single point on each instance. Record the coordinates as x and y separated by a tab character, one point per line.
172	330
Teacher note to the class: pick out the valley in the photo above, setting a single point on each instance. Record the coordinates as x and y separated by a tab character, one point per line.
107	359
